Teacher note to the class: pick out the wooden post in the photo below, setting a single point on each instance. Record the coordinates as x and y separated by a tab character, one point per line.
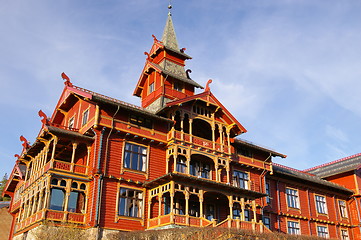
73	157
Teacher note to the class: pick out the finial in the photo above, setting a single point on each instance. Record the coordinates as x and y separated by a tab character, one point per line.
67	80
207	86
169	8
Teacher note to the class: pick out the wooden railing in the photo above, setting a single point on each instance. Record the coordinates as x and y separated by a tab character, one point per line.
52	215
184	220
198	141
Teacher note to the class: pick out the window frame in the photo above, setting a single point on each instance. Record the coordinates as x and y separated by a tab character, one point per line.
343	208
243	182
151	88
130	200
344	236
178	86
268	225
200	169
293	227
268	192
144	166
85	117
181	164
322	233
321	206
293	200
71	122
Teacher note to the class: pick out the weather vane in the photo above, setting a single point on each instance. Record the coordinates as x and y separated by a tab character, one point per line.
169	8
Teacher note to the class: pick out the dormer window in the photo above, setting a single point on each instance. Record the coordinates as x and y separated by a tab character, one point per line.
151	87
71	123
178	86
85	117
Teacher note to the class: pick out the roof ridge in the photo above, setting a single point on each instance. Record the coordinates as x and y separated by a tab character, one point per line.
292	169
333	162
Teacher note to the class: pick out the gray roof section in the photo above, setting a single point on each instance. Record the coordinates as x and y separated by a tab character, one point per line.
307	178
337	167
169	38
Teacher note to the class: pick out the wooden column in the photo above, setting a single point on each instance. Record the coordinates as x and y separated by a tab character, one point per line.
55	141
187	206
242	210
73	157
87	160
190	130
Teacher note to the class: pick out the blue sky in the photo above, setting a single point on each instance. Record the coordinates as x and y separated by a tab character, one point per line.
289	71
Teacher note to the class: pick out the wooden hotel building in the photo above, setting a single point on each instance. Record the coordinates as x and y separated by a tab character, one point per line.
107	165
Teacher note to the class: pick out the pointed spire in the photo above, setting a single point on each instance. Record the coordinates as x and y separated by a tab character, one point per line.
169	38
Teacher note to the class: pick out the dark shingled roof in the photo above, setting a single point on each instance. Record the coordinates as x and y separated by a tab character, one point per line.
339	166
252	145
307	178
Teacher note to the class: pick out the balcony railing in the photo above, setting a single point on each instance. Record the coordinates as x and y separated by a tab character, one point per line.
178	220
66	166
198	141
52	215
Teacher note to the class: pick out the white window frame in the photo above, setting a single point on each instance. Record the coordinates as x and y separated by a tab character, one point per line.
322	231
139	153
292	198
71	122
321	204
293	227
343	208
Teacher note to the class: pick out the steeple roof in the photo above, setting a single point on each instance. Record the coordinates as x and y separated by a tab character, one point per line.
169	38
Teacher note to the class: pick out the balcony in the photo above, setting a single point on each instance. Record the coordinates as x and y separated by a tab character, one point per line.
66	166
51	215
183	220
189	221
198	141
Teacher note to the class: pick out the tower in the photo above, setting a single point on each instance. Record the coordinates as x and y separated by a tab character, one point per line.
164	78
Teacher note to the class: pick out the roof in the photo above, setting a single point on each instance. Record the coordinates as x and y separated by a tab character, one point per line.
203	182
175	71
307	178
210	97
169	38
97	97
252	145
342	165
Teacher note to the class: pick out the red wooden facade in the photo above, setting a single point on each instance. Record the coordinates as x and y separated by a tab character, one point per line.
108	165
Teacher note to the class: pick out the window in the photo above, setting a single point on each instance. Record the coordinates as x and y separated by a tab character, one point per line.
151	87
166	202
200	169
344	234
57	199
135	157
130	203
178	86
322	231
76	202
343	209
140	121
244	152
268	198
85	117
292	197
267	222
236	211
71	123
246	215
181	164
293	227
321	204
240	179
